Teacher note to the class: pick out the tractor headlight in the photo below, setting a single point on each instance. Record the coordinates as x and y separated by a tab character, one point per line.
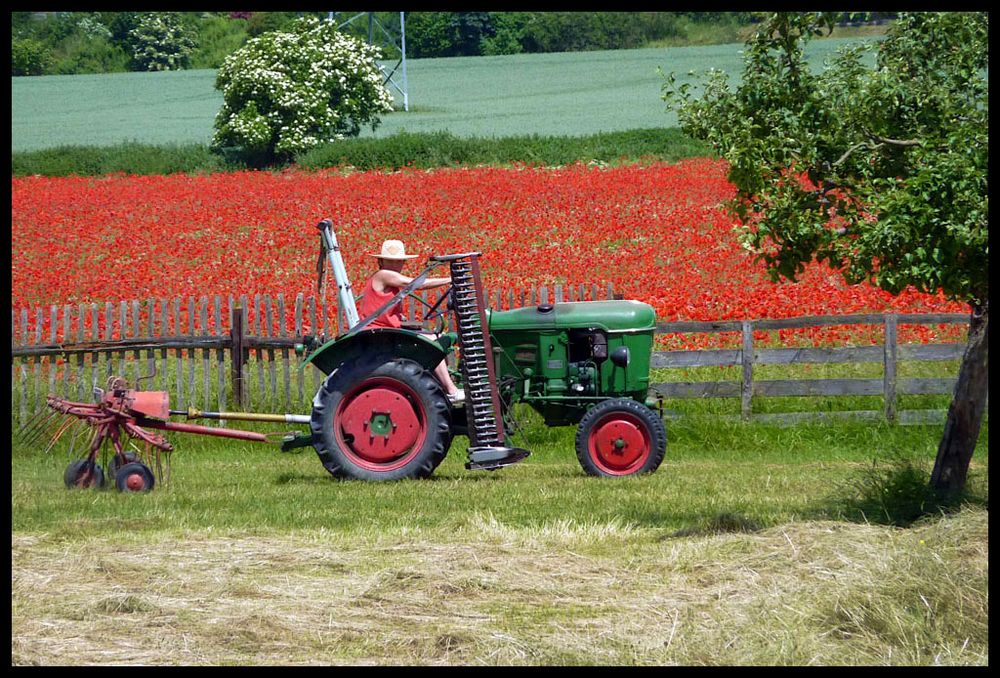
620	356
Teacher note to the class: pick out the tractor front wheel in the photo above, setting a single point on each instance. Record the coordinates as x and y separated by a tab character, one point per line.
620	437
381	419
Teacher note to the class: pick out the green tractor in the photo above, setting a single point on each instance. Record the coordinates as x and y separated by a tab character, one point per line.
381	414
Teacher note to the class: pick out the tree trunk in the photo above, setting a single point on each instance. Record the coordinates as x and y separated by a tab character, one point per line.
961	430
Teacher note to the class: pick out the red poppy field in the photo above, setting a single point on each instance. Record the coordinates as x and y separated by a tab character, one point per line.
657	232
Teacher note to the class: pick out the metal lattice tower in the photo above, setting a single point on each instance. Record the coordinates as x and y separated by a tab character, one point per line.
381	36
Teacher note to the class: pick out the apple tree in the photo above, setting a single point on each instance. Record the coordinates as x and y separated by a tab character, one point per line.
876	165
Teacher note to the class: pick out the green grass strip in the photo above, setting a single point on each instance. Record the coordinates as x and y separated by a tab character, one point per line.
425	150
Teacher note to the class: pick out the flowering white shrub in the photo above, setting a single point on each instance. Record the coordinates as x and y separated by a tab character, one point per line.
160	42
91	26
286	92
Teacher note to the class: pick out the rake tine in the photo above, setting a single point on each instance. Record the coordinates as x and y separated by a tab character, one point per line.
28	433
31	422
76	436
63	427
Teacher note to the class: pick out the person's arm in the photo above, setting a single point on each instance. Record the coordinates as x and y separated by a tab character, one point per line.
394	279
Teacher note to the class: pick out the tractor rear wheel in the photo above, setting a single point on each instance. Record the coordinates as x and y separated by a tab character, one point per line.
381	419
620	437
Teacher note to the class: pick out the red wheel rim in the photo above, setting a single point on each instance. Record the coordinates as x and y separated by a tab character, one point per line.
135	482
381	424
619	443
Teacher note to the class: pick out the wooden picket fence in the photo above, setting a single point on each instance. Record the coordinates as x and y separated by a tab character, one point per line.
238	352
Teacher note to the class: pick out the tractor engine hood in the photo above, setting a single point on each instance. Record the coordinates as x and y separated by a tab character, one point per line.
610	316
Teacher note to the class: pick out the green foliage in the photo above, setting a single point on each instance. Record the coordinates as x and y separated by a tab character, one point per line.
93	42
442	149
130	158
880	171
92	27
82	54
121	25
161	42
265	22
441	34
28	57
445	34
508	27
285	93
429	34
218	37
578	31
424	150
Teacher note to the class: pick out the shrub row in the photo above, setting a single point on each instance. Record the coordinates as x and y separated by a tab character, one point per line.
103	42
441	149
62	43
130	158
404	149
444	34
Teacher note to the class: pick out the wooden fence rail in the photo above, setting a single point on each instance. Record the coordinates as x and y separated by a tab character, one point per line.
889	387
238	351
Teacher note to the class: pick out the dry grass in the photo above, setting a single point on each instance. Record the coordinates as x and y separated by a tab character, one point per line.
565	592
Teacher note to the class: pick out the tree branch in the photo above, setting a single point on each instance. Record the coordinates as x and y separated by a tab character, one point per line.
850	150
896	142
882	141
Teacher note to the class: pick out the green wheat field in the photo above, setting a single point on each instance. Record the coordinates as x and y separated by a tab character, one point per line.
572	93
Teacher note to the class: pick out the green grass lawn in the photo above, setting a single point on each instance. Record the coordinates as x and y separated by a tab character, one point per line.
751	544
576	93
711	468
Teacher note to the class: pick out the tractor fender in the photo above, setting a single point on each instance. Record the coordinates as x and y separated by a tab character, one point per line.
393	343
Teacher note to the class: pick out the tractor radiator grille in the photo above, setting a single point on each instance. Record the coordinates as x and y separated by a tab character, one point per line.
482	403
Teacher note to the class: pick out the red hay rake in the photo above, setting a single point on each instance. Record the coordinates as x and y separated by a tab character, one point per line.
116	418
121	417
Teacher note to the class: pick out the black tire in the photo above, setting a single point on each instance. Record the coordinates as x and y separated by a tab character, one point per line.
413	444
134	477
113	464
620	437
79	474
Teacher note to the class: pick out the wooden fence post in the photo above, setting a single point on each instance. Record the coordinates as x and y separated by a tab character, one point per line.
220	356
237	334
889	371
746	388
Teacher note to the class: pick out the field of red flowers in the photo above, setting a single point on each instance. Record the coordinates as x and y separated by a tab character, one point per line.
657	232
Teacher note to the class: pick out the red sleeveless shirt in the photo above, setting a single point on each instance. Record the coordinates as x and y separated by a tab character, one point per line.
372	300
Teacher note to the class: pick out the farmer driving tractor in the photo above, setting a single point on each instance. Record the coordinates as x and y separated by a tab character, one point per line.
388	409
384	285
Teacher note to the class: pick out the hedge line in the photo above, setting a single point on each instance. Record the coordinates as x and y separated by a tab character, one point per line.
404	149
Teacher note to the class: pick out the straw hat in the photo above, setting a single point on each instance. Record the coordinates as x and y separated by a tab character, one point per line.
393	249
